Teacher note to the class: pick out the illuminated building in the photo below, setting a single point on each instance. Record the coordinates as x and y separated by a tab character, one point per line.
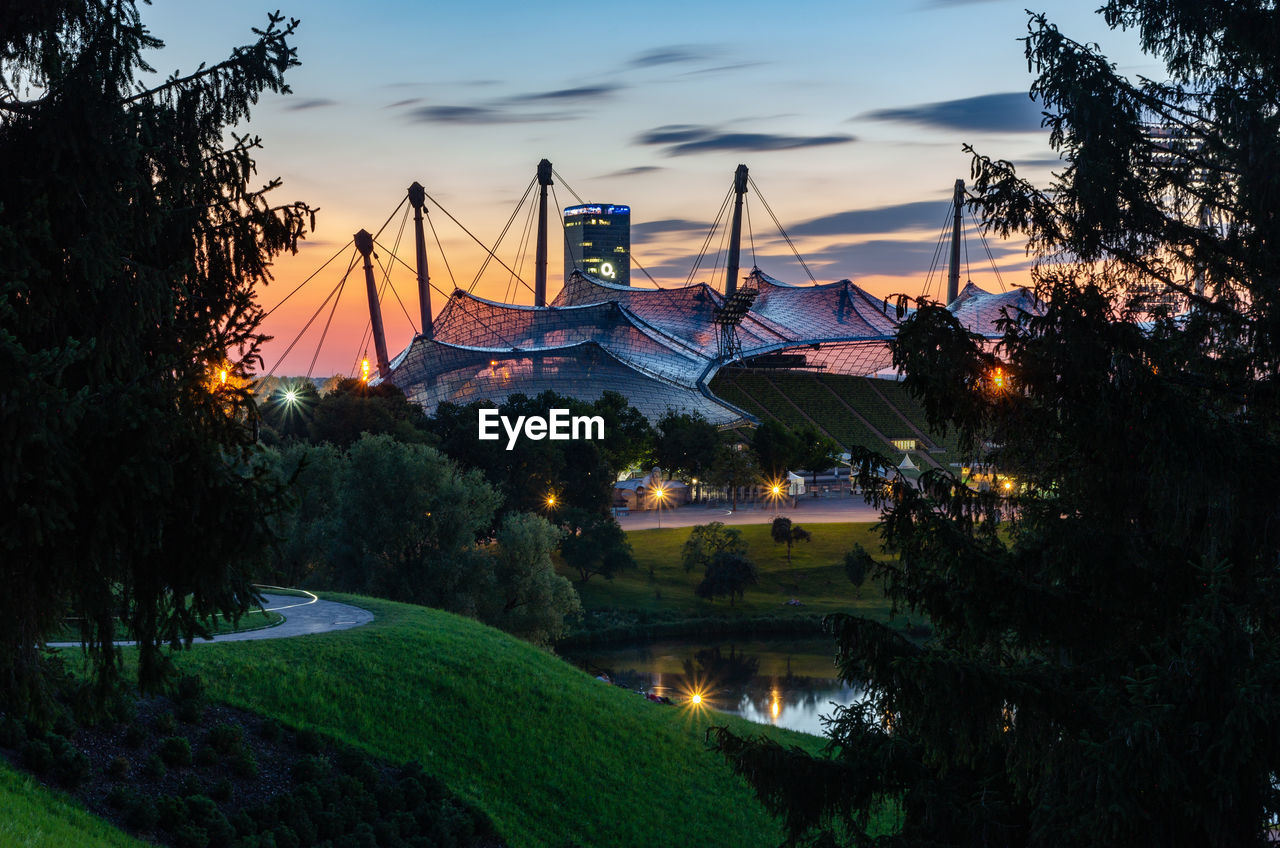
597	242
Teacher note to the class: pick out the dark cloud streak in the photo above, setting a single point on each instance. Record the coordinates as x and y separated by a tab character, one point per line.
1004	112
684	139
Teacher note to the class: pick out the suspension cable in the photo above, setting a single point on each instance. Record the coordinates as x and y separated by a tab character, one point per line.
937	254
992	259
751	234
785	237
413	270
314	273
521	253
656	284
501	235
706	242
443	257
325	332
314	315
565	183
386	269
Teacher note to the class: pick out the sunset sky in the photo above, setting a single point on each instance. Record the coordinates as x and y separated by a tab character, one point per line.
850	115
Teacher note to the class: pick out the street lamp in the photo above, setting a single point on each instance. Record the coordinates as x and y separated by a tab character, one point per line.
775	493
660	494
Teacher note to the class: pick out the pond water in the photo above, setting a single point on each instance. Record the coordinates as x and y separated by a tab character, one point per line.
790	683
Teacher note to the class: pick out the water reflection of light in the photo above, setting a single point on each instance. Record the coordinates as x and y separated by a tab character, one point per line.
775	705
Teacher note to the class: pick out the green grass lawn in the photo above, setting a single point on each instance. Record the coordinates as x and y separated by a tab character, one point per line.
554	756
32	816
815	576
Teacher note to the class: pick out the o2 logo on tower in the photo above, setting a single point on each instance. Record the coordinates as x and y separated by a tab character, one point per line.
558	426
608	271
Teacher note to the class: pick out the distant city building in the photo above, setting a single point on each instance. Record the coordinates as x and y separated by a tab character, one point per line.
598	242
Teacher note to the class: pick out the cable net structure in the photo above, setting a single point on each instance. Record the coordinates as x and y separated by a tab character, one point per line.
659	348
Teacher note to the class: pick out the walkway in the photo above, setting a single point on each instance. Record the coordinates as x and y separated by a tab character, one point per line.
303	616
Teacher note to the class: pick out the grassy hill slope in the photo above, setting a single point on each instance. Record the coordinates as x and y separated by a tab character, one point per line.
554	756
32	816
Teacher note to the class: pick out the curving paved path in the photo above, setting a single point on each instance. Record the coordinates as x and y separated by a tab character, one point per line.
302	617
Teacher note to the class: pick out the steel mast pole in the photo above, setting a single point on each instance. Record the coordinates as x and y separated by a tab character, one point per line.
735	233
418	200
540	280
364	244
953	276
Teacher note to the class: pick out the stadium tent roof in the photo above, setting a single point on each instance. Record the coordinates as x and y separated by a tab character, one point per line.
979	310
474	322
657	347
431	372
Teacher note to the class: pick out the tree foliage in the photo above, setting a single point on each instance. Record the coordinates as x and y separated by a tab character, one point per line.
1107	628
132	240
594	544
727	575
707	540
786	533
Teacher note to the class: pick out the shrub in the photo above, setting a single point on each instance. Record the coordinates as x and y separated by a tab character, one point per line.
143	816
119	767
166	724
175	751
12	733
205	757
71	766
36	756
134	735
171	811
190	836
309	742
244	764
154	767
225	737
122	796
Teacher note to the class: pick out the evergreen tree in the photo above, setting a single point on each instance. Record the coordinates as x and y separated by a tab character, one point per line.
1107	625
132	241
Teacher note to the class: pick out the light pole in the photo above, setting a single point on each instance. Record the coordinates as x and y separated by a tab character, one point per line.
660	494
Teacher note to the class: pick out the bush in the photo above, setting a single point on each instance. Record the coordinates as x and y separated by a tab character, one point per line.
175	751
36	756
206	757
12	733
225	737
154	767
190	836
134	735
119	767
171	811
143	816
71	766
166	724
244	764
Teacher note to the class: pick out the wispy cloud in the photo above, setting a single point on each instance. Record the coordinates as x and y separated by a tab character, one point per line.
632	172
400	104
310	103
1004	112
475	115
684	139
667	225
567	95
673	54
923	214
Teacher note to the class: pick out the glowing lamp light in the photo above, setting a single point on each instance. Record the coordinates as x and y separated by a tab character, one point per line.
290	396
777	490
997	378
365	371
695	698
222	376
1008	485
551	500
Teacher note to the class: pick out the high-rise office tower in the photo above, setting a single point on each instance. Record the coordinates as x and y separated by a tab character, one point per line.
598	241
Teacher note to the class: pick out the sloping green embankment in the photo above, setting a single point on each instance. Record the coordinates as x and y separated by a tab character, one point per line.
32	816
556	757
